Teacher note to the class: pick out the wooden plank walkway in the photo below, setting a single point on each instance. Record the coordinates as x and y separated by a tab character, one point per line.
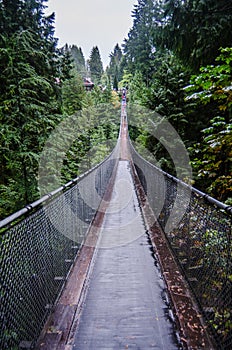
124	306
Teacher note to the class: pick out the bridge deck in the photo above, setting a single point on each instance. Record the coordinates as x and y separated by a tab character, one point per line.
124	307
115	296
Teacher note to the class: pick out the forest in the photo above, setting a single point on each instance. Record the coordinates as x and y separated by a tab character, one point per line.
175	61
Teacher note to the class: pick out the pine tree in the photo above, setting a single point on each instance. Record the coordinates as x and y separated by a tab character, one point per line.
79	59
195	30
95	65
73	94
29	97
142	41
114	70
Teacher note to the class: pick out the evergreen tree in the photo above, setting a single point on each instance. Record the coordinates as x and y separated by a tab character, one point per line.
114	70
196	29
29	97
73	94
79	59
187	28
95	65
141	45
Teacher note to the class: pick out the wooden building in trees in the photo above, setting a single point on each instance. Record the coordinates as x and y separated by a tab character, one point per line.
88	84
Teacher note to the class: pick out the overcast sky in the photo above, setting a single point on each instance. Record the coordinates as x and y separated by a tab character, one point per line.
88	23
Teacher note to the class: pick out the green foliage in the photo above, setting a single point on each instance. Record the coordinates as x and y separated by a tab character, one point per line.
126	79
212	159
95	65
79	59
195	30
114	71
37	86
141	44
214	242
214	82
73	94
164	96
138	90
9	336
222	322
96	129
29	98
94	120
26	100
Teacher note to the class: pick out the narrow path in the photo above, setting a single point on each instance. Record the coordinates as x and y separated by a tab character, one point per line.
123	307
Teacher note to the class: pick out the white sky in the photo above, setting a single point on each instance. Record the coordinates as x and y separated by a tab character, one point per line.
88	23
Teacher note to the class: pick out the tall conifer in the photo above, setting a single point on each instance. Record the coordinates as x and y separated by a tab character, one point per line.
95	65
30	65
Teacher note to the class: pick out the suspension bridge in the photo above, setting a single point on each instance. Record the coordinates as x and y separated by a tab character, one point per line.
92	264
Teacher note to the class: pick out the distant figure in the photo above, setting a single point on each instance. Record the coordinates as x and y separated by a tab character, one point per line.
124	95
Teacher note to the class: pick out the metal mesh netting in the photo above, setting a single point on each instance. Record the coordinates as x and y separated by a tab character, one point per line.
37	253
200	241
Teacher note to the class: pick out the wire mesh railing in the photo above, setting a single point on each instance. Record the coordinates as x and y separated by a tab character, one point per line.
38	247
200	240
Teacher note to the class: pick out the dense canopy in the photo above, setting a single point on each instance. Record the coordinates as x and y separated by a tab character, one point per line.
176	60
